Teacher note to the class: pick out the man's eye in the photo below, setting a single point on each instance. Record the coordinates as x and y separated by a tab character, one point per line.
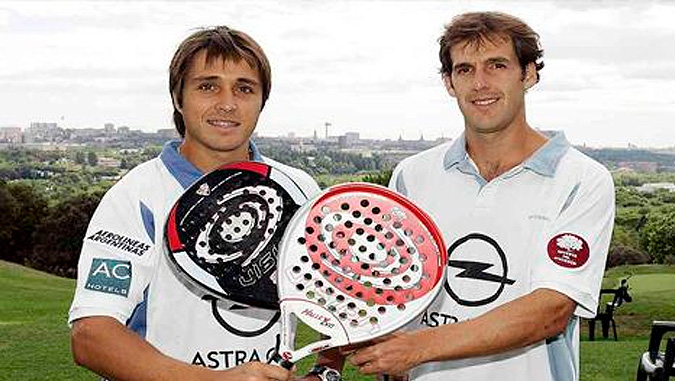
206	87
499	65
462	70
246	89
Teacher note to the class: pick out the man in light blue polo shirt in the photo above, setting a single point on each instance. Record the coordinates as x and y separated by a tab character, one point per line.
527	217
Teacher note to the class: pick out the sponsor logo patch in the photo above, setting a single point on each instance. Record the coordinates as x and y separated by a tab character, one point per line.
119	241
568	250
110	276
478	271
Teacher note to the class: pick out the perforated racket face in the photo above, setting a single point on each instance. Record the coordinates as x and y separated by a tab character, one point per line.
223	232
364	257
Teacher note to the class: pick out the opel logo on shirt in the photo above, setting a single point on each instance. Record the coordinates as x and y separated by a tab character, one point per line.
477	270
230	325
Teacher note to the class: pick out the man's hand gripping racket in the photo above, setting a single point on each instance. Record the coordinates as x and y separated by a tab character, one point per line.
357	262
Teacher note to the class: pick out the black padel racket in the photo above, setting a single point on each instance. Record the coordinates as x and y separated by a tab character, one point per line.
357	262
223	233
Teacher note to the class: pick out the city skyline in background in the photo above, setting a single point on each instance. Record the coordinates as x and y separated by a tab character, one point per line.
366	67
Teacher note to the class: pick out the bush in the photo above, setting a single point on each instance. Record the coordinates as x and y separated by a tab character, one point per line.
21	210
658	236
624	255
381	177
58	237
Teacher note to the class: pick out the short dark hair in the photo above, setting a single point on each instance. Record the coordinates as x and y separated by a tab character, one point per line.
219	42
477	27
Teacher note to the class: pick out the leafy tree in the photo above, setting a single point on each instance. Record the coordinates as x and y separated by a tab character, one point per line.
381	177
32	207
625	237
58	238
80	158
658	236
622	255
9	210
92	159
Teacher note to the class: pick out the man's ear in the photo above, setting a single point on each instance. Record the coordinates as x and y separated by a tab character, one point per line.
447	81
530	76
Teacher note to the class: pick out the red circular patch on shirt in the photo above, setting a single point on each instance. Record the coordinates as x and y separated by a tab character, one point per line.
568	250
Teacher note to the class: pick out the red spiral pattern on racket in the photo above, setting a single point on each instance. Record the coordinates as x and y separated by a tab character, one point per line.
372	248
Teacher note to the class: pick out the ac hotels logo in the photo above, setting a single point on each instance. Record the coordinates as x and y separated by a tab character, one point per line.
110	276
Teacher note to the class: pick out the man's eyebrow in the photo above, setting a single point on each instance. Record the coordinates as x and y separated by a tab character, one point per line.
461	65
498	60
201	78
204	78
249	81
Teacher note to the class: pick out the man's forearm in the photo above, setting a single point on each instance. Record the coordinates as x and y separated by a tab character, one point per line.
519	323
527	320
108	348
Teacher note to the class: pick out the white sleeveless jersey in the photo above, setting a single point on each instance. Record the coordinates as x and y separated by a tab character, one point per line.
123	272
546	223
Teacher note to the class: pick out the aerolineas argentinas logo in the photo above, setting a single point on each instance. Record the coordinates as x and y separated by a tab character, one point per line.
120	242
110	276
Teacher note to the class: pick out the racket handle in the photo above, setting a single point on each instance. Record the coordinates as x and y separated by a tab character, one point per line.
386	377
278	360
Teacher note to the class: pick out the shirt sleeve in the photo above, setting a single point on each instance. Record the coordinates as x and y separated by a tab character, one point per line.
396	181
116	261
572	253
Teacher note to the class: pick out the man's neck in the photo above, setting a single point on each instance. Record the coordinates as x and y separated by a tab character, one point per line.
207	161
498	152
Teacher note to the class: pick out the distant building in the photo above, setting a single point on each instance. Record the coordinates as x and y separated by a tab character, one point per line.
638	166
349	139
169	133
40	132
109	128
108	162
653	187
11	135
123	130
85	132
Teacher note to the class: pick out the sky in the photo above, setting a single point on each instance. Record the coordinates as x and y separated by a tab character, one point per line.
363	66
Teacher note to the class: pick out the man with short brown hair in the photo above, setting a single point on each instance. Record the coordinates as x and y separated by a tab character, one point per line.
528	219
132	317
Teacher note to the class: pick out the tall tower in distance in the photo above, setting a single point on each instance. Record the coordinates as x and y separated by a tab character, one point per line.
326	125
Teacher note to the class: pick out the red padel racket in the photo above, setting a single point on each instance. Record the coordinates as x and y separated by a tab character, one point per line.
223	233
357	262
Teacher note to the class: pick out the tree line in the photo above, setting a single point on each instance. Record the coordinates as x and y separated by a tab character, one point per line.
43	235
43	222
48	236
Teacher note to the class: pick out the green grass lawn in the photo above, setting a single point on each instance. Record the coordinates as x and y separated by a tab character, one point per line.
34	335
653	290
33	332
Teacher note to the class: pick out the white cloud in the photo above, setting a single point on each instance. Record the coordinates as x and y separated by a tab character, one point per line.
365	66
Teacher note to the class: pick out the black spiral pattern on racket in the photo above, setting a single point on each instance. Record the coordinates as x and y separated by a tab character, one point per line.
233	208
230	273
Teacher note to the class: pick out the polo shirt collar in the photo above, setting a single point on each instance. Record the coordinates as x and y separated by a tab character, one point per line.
184	171
544	161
